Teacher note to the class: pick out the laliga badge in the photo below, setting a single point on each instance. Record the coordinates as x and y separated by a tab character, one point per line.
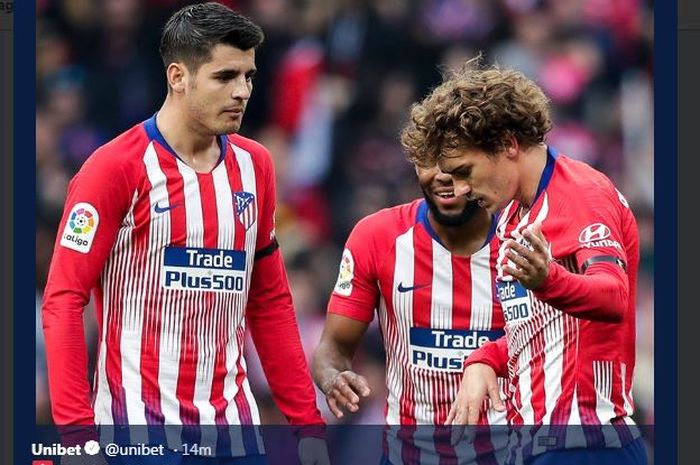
345	275
81	225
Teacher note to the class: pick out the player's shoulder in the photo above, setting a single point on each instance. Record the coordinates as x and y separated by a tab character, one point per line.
389	222
258	152
581	194
577	182
122	152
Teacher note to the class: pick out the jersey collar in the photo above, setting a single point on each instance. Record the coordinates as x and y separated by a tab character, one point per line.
506	214
552	155
422	218
155	134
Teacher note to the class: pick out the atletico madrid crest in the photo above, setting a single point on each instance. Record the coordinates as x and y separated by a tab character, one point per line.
246	208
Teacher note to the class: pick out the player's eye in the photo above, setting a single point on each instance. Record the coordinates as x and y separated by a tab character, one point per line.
462	173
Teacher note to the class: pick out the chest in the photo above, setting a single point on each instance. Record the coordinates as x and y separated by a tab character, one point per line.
428	287
176	206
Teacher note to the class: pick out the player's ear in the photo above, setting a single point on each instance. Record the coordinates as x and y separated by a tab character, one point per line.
176	75
510	146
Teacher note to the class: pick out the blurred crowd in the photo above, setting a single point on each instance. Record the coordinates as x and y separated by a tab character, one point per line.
334	84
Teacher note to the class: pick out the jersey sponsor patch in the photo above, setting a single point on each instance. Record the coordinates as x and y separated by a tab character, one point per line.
347	271
446	349
81	226
195	269
246	208
514	301
597	235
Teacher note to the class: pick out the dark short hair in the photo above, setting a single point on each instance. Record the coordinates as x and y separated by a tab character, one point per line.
193	31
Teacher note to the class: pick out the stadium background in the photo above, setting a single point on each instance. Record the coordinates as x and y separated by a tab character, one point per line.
335	80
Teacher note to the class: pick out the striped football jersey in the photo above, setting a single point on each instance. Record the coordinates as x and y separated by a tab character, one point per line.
434	308
563	369
171	255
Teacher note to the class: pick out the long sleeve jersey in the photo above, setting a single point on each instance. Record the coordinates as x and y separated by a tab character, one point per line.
569	348
178	262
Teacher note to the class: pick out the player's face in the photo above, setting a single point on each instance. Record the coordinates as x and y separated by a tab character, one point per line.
217	94
438	190
491	180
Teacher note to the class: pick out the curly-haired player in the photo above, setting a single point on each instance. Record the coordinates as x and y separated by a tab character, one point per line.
566	269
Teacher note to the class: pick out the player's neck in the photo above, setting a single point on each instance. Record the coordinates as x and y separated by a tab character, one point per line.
197	148
532	164
465	239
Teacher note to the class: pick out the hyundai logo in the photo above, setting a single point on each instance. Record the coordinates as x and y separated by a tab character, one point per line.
594	232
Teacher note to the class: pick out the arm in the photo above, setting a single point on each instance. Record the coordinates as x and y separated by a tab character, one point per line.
479	382
74	271
332	364
272	320
601	294
493	354
350	310
273	327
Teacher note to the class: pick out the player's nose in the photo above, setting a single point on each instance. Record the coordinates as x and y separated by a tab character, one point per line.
461	188
241	88
442	177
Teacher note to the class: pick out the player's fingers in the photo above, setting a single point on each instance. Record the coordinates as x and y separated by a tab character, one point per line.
347	399
343	401
347	392
495	397
359	384
521	250
521	262
333	405
470	434
457	421
473	412
531	266
537	240
456	434
451	413
517	274
524	257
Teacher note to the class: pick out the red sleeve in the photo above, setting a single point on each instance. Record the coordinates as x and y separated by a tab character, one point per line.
601	294
356	292
493	354
597	241
273	327
99	197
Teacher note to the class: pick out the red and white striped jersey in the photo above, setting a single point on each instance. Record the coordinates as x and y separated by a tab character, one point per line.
178	261
434	309
564	369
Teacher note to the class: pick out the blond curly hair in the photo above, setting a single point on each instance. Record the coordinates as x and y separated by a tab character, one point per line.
479	108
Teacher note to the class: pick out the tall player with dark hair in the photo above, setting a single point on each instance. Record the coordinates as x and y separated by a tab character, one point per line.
171	226
427	269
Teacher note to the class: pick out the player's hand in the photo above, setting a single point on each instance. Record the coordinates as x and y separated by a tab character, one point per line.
84	459
313	451
531	263
344	391
479	383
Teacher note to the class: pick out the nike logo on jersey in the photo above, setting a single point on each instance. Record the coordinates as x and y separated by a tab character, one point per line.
159	209
403	289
